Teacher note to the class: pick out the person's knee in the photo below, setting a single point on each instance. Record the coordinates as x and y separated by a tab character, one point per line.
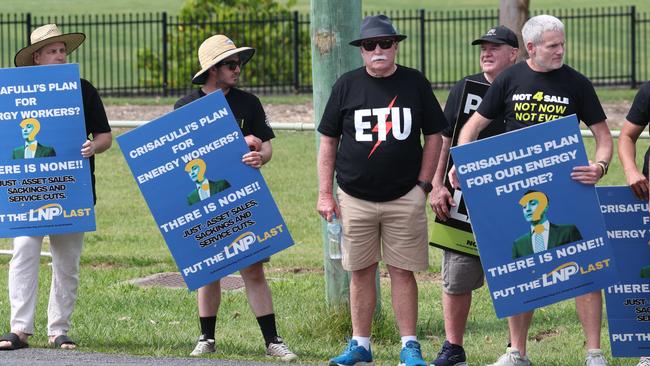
210	289
590	299
254	273
400	273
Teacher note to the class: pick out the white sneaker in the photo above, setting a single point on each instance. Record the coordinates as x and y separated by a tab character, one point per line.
512	357
644	361
280	351
595	358
203	346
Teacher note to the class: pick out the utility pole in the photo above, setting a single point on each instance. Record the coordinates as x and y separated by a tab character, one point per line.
334	23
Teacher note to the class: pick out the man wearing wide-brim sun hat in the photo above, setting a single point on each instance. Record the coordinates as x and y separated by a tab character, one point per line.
221	62
371	134
50	46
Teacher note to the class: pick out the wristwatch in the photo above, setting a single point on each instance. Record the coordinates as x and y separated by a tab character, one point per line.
604	165
426	186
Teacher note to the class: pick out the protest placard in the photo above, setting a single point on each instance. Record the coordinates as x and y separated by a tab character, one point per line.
540	234
45	184
456	232
215	213
628	301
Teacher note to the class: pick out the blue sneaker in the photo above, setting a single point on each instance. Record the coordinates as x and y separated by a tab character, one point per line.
411	355
354	355
450	355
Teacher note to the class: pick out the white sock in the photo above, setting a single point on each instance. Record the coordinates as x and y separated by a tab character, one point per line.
408	338
363	342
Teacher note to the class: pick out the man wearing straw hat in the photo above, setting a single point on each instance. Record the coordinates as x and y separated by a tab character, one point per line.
221	63
370	134
48	47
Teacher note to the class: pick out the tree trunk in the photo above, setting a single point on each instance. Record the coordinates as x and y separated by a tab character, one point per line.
513	14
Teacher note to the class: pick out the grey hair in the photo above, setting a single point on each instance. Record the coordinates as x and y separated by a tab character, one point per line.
537	25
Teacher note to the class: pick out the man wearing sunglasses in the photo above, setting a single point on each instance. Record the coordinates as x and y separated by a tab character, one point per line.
370	134
461	273
221	63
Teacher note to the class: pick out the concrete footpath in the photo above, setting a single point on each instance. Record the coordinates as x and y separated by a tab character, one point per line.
54	357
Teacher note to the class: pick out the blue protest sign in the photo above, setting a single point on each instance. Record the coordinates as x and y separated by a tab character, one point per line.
628	301
540	234
45	184
215	213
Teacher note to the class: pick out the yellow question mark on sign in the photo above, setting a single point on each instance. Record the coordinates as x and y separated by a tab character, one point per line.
537	214
34	122
197	162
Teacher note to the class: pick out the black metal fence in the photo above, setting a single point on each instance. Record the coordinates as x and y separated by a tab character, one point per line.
155	53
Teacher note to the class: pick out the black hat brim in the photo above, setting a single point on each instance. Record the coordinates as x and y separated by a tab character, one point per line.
489	40
398	38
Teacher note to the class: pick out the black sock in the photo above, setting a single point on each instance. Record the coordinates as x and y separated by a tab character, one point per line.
267	326
208	323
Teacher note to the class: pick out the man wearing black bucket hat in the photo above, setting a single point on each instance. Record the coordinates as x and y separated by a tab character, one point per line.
221	62
461	273
378	113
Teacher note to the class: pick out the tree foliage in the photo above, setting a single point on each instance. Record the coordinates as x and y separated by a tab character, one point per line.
196	9
265	25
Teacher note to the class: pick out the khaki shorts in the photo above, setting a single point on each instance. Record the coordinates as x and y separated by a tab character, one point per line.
460	273
395	230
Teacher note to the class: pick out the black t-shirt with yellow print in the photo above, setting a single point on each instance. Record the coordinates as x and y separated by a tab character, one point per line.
528	97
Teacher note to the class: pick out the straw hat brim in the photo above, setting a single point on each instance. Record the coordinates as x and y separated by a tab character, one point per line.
72	41
245	54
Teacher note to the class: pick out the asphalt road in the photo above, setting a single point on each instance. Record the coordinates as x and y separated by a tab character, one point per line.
55	357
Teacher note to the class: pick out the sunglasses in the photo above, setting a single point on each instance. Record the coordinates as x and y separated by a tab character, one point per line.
232	64
384	44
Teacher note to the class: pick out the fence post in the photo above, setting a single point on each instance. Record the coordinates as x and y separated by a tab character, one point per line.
423	57
296	51
164	52
28	25
633	46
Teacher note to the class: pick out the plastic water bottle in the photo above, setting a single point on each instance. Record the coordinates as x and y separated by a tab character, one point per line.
334	238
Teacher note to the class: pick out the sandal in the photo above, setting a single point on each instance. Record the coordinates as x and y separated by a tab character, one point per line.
61	340
15	341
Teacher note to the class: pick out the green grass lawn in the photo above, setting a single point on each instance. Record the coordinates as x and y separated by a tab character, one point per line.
606	95
116	317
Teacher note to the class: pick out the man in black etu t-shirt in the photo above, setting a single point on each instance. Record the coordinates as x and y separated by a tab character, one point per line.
542	89
221	63
370	135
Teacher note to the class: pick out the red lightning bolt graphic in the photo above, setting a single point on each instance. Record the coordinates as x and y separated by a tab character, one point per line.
389	126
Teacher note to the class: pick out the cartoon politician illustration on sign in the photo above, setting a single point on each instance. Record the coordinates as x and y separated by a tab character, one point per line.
204	187
32	148
543	234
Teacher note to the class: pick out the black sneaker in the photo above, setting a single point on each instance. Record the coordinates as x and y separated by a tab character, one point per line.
450	355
